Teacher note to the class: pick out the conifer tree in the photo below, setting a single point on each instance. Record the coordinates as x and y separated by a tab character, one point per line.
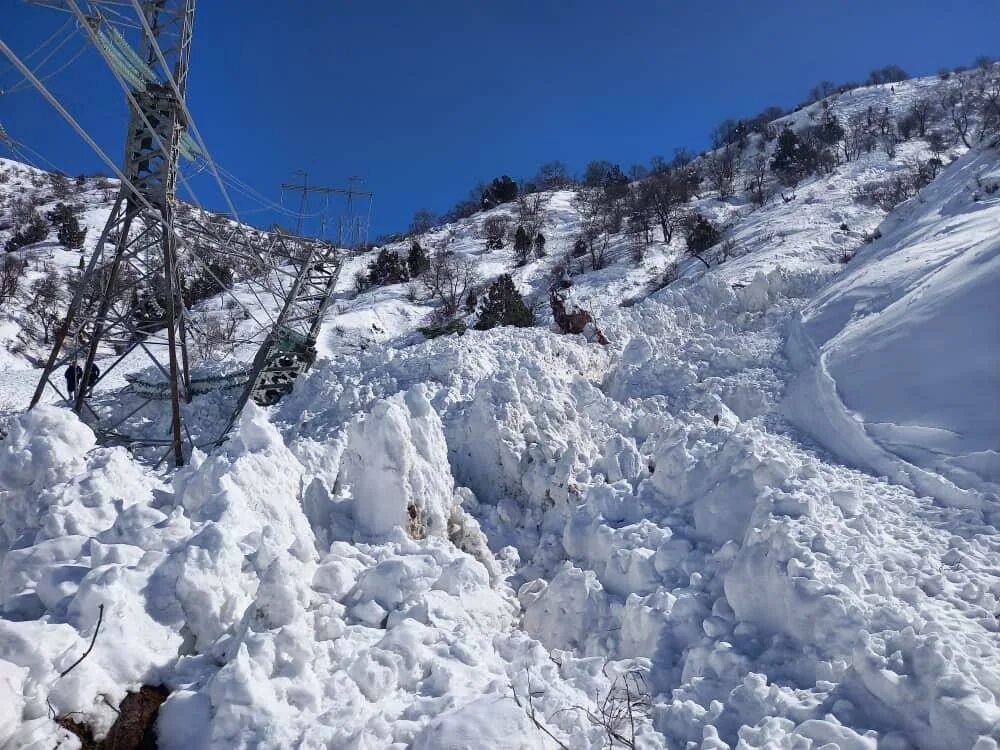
387	268
522	246
504	306
71	234
418	260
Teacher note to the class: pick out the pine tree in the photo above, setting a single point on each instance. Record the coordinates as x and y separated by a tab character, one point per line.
522	246
71	234
501	190
418	260
504	306
387	268
700	235
36	231
540	245
794	158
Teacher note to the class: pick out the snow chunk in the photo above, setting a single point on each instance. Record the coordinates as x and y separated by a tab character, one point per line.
45	446
396	465
486	723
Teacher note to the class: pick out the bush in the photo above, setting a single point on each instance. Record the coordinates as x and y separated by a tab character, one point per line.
36	231
387	268
700	234
504	306
72	235
445	329
886	194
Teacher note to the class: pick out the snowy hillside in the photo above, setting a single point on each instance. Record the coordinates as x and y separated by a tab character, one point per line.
902	348
763	515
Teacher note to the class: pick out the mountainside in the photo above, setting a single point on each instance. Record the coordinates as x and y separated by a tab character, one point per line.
751	504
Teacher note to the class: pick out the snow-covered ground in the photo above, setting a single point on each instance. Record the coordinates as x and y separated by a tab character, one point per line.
764	516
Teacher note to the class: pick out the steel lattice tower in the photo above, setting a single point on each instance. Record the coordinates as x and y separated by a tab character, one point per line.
129	297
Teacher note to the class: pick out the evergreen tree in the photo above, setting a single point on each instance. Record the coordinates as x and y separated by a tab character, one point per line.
501	190
71	234
387	268
522	246
418	260
793	158
504	306
540	245
36	231
700	235
61	214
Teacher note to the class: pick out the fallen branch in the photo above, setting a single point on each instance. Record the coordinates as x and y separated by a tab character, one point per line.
100	617
531	713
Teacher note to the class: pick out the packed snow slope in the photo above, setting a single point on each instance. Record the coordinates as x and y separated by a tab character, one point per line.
903	350
519	539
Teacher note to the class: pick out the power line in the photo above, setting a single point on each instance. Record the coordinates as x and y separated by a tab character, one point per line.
41	46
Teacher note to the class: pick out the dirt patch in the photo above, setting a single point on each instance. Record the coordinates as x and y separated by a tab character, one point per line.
132	730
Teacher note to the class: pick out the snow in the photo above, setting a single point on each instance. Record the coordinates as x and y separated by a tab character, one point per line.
772	495
903	350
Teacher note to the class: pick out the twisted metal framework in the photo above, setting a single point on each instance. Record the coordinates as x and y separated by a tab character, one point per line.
290	347
130	295
129	299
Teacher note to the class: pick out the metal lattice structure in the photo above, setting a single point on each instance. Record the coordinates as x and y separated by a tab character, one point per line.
129	297
290	347
129	301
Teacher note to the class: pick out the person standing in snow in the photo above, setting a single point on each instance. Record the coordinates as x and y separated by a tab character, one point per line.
74	374
95	373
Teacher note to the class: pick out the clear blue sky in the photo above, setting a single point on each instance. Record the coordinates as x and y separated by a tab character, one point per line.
424	99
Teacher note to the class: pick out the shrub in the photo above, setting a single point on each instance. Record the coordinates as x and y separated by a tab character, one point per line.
72	235
445	329
35	231
700	234
387	268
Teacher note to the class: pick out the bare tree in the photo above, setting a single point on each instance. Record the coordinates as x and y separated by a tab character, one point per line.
495	231
960	104
531	212
857	136
667	192
597	224
921	112
448	279
45	305
552	176
720	166
423	221
756	179
989	120
11	271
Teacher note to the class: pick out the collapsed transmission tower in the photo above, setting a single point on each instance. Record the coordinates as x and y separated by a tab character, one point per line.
129	297
290	347
129	302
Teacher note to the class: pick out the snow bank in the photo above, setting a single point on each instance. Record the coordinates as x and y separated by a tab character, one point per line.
900	356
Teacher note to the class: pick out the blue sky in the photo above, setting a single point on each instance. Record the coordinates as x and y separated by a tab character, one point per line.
425	99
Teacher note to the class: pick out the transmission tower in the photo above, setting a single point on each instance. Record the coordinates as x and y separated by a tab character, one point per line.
129	297
352	224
